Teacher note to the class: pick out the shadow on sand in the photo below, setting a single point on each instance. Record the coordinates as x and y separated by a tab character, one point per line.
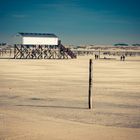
50	106
6	58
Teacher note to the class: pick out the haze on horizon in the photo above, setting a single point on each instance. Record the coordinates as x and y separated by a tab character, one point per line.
73	21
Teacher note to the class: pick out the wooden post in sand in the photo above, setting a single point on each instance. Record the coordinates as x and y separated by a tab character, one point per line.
90	84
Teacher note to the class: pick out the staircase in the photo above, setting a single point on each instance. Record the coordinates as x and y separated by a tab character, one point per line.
67	51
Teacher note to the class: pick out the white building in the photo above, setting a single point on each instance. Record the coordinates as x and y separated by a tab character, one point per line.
36	39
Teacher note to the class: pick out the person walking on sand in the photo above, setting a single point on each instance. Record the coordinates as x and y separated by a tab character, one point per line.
95	56
123	57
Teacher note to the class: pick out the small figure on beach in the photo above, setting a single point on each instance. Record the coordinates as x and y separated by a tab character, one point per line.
96	56
122	58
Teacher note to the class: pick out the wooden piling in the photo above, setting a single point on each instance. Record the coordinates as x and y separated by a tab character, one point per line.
90	84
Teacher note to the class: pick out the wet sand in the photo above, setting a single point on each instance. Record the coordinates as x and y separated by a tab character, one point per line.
47	99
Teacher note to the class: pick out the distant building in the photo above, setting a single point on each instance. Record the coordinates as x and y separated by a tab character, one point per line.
36	39
3	44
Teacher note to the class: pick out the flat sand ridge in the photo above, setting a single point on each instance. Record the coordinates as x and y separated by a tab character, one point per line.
33	91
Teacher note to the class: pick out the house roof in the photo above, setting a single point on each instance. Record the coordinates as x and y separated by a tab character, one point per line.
37	34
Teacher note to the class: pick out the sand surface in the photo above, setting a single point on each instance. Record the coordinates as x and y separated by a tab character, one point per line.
47	100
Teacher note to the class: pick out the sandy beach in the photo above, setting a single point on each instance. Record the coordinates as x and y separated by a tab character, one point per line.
48	99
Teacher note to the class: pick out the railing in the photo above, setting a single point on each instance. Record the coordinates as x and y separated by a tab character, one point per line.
68	51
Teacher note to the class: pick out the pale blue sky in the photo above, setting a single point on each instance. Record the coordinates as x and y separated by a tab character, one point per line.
74	21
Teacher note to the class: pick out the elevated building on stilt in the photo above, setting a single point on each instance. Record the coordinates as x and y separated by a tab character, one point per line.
40	46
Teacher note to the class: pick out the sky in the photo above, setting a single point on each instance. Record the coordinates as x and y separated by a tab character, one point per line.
75	22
